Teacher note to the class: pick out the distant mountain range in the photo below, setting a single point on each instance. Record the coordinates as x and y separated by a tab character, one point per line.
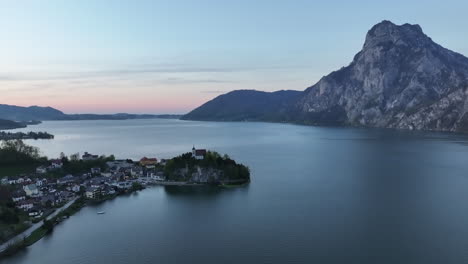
8	124
400	79
22	114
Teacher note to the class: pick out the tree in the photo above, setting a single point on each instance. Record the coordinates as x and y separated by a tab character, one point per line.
5	194
8	216
75	157
48	225
16	152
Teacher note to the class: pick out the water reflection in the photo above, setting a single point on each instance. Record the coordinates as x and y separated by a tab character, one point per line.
201	191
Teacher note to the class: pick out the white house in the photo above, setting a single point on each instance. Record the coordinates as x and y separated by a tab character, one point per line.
31	190
56	164
96	170
159	176
25	205
18	196
106	174
36	213
41	170
40	182
11	181
75	188
92	192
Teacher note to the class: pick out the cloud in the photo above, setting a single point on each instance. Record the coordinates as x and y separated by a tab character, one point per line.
212	92
191	80
111	71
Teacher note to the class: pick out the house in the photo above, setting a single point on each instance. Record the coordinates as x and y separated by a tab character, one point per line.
75	188
159	176
98	181
136	171
65	195
49	200
31	190
198	153
87	156
41	170
163	162
35	212
4	181
117	164
95	171
18	195
26	205
92	192
40	182
106	174
56	164
12	180
148	161
67	179
108	190
124	185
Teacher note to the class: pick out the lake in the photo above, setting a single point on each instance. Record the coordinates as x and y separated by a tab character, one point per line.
318	195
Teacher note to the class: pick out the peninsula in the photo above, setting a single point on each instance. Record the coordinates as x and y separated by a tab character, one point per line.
37	193
20	135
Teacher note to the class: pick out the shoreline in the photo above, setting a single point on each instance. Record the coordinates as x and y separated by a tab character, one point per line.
9	249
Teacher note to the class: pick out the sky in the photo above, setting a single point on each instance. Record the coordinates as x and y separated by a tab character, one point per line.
138	56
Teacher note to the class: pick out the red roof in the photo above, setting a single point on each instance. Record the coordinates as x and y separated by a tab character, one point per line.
148	159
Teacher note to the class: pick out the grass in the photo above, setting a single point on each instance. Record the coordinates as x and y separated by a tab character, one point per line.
35	236
12	230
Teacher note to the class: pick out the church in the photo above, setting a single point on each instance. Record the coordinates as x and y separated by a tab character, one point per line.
198	153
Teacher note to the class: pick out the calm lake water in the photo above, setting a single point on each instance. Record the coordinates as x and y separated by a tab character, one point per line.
318	195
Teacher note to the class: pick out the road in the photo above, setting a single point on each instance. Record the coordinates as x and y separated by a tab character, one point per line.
31	229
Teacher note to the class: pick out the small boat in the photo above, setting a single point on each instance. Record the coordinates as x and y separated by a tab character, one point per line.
101	212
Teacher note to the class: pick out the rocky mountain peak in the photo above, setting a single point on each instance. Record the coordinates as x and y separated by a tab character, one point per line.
400	79
386	33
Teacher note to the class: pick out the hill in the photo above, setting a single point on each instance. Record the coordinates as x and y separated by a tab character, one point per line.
7	124
246	105
38	113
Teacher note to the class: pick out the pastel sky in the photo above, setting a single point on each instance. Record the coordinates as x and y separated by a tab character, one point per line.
136	56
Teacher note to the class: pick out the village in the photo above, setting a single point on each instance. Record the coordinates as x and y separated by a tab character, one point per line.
38	194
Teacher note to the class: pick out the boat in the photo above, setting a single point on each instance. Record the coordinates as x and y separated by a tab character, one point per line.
101	212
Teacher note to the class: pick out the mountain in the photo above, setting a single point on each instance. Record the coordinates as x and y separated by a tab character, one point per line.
400	79
246	105
7	124
23	114
18	113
